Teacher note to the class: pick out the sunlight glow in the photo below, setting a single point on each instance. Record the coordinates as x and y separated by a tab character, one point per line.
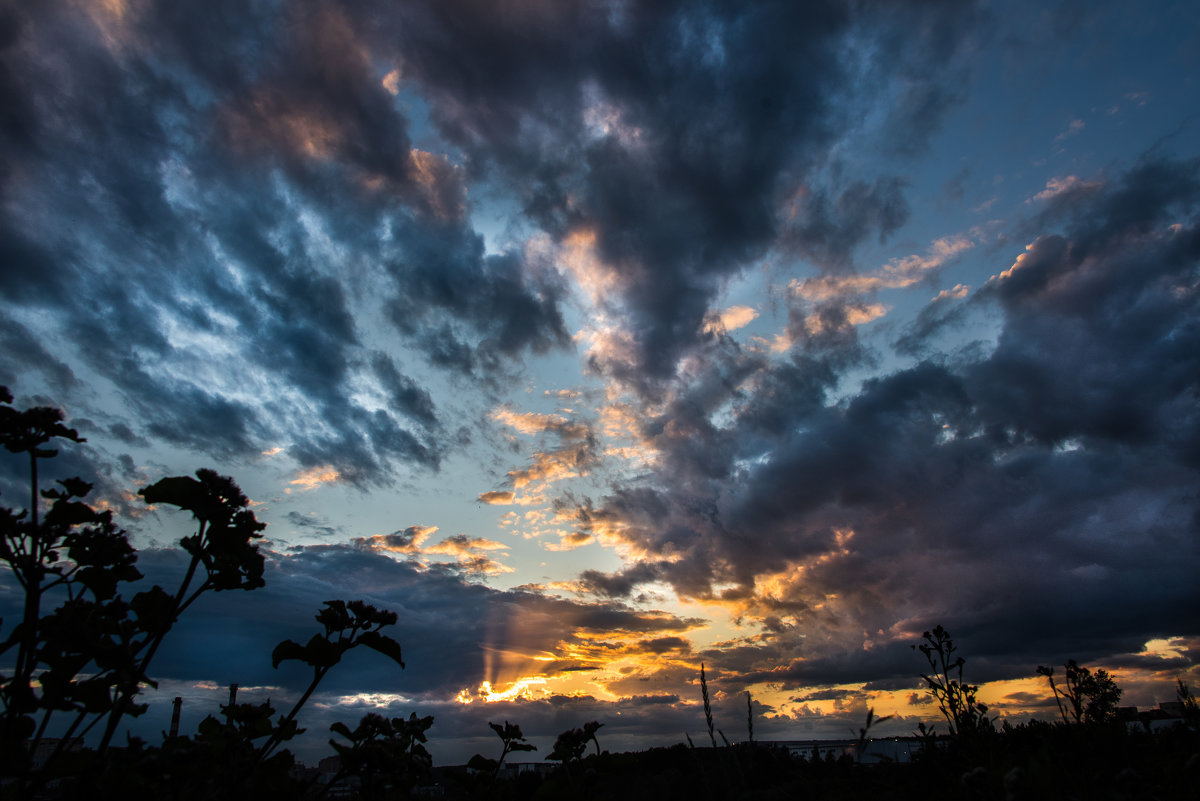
519	689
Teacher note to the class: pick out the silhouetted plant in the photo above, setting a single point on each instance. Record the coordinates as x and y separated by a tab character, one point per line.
590	730
708	718
223	547
347	625
1084	697
569	746
1191	708
89	657
70	659
865	730
965	714
384	754
749	718
927	736
512	738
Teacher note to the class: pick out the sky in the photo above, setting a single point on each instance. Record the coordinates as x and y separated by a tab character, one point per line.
603	339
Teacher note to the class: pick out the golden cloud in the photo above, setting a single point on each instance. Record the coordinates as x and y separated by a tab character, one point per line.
461	544
731	319
314	477
569	541
391	82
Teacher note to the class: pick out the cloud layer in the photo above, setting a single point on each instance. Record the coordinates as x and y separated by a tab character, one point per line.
777	333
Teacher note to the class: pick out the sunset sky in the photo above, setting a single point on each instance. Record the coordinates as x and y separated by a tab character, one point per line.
601	339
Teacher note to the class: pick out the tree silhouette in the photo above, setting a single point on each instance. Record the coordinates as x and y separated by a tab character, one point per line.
1084	696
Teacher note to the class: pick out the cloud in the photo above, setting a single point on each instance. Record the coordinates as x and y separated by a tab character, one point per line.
1072	129
333	229
569	541
446	626
827	229
277	191
731	319
942	312
896	274
315	477
465	551
461	543
576	453
409	541
1063	185
1021	494
596	153
311	523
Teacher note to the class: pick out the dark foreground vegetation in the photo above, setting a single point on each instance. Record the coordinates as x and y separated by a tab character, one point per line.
1032	761
75	661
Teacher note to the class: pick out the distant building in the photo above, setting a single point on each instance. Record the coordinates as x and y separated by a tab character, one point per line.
48	745
875	750
511	770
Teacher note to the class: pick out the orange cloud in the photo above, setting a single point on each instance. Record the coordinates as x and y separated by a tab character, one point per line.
578	255
408	541
391	82
898	273
461	544
547	468
958	292
575	458
316	476
569	541
731	319
439	183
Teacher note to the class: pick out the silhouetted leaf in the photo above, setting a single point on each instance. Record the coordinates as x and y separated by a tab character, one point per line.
182	491
155	609
71	513
383	644
334	616
287	650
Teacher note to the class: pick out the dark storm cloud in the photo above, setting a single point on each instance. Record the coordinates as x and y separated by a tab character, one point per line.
405	395
446	624
826	695
1039	499
830	228
617	585
243	192
22	352
943	312
448	629
249	177
310	523
511	305
675	133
